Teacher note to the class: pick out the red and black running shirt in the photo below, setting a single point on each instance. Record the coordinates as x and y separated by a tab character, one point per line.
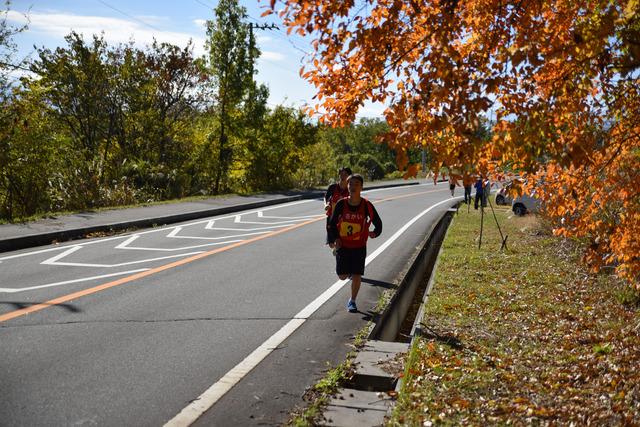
351	223
333	194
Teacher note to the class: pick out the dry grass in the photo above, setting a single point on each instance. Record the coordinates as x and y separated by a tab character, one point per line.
523	336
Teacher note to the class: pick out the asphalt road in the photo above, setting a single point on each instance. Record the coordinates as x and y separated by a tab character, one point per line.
221	321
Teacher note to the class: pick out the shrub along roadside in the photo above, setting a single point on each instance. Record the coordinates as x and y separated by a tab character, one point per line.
521	336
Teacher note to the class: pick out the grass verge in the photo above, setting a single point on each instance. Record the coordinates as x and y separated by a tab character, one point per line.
521	336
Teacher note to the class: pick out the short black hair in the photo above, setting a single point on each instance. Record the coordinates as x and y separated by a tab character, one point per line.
356	176
345	169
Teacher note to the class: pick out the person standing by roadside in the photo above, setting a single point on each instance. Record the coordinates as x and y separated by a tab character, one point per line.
452	185
479	193
334	193
467	182
486	190
349	231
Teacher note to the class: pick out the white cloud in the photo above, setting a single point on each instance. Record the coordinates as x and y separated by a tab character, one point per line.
201	23
115	30
15	75
154	19
371	109
17	17
272	56
278	65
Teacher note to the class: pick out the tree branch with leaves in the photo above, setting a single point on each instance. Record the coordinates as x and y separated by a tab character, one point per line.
558	79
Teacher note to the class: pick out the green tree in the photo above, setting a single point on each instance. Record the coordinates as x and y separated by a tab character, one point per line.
232	56
276	154
12	122
177	78
8	51
162	90
75	82
29	153
318	164
358	147
127	113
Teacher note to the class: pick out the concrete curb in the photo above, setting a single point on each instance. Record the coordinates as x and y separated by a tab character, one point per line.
45	238
391	319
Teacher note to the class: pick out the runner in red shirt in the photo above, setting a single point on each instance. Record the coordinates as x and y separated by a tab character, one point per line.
334	193
349	231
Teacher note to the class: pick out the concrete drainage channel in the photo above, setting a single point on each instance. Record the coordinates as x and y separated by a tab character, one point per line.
364	402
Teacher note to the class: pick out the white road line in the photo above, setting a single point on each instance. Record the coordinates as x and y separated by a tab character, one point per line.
125	245
176	230
261	215
286	223
54	259
183	248
214	238
207	399
33	253
239	220
81	264
211	227
66	282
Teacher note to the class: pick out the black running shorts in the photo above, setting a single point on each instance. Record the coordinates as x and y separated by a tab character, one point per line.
350	260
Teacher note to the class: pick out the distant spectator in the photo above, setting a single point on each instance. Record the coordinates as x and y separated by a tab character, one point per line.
479	193
467	182
486	190
452	185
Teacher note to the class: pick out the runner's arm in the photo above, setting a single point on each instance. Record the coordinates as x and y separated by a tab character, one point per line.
376	221
328	194
333	221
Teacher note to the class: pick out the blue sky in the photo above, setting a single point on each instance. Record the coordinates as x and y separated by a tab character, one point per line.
168	21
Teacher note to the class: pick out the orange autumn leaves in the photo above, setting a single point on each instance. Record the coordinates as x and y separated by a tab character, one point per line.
558	80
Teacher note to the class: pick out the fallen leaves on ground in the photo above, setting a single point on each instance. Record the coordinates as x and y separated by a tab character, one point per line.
523	336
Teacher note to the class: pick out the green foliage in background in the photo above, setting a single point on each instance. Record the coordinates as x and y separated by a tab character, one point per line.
94	125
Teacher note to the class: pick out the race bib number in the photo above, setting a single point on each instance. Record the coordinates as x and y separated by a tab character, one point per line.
350	229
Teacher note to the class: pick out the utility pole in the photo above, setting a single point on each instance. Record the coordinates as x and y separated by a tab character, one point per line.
261	27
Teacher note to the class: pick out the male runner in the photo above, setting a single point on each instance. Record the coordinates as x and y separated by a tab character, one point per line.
334	193
349	231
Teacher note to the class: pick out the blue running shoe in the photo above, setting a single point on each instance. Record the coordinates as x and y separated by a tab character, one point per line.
351	306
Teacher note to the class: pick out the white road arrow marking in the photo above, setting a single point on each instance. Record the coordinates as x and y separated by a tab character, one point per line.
155	230
55	260
66	282
210	226
125	245
262	215
176	230
239	220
